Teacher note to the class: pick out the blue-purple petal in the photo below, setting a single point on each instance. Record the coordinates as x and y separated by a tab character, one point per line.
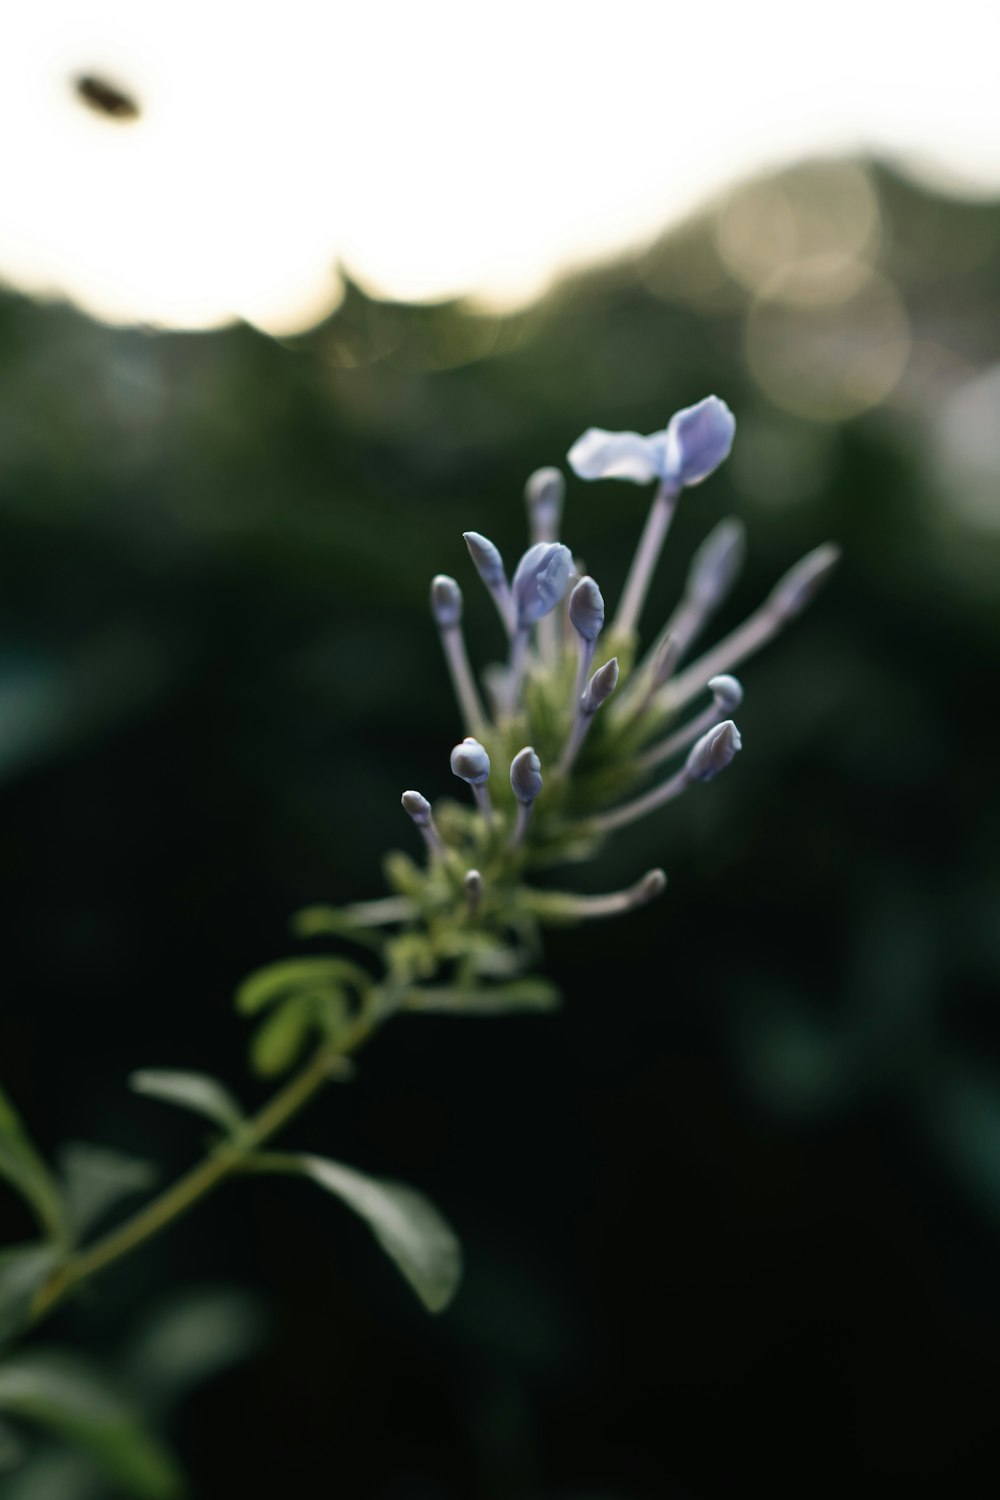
697	441
616	455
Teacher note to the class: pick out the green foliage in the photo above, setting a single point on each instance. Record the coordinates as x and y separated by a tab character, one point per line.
195	1091
22	1166
96	1179
307	997
409	1228
70	1397
485	1000
23	1269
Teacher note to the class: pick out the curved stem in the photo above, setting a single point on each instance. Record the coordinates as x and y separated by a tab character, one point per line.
228	1157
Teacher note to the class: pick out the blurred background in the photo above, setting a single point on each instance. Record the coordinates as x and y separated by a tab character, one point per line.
292	299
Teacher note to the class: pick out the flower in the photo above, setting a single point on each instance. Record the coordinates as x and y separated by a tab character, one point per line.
692	445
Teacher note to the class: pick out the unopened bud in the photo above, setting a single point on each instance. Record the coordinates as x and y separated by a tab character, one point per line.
473	886
652	884
487	559
716	563
418	808
446	600
801	583
526	776
600	687
586	609
713	752
543	495
541	580
727	691
663	663
470	762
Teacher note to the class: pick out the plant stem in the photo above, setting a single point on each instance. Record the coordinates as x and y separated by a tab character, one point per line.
228	1157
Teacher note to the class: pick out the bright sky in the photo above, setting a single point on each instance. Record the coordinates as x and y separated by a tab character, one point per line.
439	147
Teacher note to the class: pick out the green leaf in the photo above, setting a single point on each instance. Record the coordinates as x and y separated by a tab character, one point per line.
195	1091
409	1228
23	1269
279	1040
489	1000
189	1340
54	1472
22	1166
96	1179
71	1398
298	976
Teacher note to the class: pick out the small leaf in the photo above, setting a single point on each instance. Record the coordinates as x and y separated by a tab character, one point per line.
280	1038
96	1179
188	1341
22	1166
409	1228
23	1270
489	1000
69	1397
298	976
195	1091
11	1447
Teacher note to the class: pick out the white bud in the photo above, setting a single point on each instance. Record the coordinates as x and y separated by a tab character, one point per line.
727	691
418	808
801	583
543	495
470	762
652	884
489	563
586	609
600	687
713	752
716	563
446	600
526	776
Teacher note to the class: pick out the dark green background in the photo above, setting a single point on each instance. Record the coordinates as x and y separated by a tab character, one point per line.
732	1217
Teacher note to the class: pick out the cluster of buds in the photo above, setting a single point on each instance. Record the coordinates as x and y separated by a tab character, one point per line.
575	734
580	743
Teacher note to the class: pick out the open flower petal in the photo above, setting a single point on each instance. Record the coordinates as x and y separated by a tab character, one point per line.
697	440
616	455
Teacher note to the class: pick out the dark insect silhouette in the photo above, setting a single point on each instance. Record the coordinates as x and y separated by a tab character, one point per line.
105	98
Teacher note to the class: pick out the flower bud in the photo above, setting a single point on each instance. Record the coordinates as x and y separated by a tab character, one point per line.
526	776
600	687
727	691
446	600
473	886
716	563
470	762
652	884
543	495
418	808
801	583
713	752
487	559
541	580
586	609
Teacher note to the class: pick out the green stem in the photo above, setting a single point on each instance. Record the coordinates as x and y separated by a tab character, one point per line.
196	1184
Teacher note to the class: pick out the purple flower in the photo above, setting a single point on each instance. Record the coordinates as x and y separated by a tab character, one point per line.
692	445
